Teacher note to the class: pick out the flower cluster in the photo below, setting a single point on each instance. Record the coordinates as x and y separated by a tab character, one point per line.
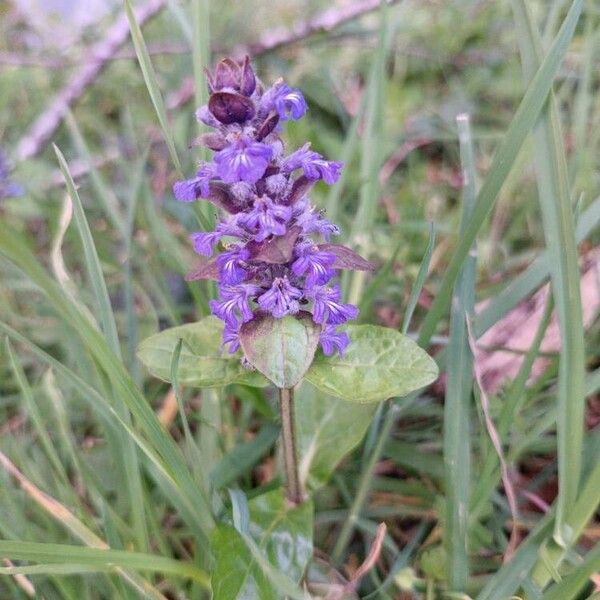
268	259
8	188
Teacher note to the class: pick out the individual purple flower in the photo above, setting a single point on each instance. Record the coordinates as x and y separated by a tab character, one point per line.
244	160
232	265
332	340
314	263
281	299
8	188
205	241
286	101
231	336
328	309
313	165
233	304
312	221
266	218
189	190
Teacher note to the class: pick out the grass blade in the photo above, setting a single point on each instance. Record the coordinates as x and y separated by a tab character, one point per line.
559	230
95	558
572	585
523	122
67	519
419	281
109	326
92	261
457	405
151	81
12	248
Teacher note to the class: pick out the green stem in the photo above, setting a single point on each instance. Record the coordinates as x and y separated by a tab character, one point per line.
294	491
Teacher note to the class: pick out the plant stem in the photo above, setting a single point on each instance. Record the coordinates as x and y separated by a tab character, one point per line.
288	440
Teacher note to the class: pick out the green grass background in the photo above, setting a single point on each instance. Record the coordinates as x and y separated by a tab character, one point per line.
77	411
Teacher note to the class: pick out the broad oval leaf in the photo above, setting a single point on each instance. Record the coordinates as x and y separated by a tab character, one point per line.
281	534
327	429
281	349
202	363
379	363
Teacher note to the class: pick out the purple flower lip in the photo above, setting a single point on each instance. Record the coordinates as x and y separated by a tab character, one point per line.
327	306
331	340
315	264
233	305
198	187
244	160
314	165
281	299
232	265
266	218
287	102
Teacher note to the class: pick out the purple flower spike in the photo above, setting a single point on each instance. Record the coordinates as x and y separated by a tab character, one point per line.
273	265
233	303
266	218
328	309
314	165
281	299
286	101
316	264
331	340
232	266
245	160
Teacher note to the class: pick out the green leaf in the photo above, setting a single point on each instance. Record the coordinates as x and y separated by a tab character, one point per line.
151	81
83	558
233	577
559	230
281	349
522	123
327	429
202	363
379	363
279	541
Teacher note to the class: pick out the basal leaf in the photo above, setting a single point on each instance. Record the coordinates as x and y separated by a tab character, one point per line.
327	429
233	575
281	349
202	363
379	363
282	536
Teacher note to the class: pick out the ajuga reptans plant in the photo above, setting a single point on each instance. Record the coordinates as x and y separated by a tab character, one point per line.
270	251
272	254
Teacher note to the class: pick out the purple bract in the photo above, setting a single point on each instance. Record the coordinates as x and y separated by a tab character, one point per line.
268	262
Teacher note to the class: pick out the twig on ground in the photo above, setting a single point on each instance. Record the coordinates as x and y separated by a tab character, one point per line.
108	49
509	489
100	54
369	562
